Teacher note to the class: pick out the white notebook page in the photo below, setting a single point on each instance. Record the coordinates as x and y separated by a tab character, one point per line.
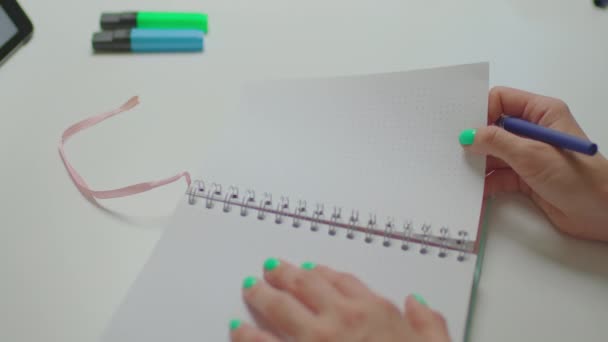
191	286
386	144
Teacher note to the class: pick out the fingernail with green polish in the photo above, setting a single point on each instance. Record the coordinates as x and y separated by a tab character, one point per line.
235	324
467	137
419	299
249	282
271	263
308	265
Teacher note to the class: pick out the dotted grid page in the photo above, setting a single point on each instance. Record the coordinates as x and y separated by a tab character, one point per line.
191	286
385	144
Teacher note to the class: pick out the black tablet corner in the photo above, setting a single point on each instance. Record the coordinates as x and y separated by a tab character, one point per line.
18	27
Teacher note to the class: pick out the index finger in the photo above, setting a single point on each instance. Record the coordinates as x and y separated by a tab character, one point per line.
539	109
279	309
510	101
308	287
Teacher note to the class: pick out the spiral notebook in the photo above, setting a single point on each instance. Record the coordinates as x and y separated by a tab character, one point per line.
361	173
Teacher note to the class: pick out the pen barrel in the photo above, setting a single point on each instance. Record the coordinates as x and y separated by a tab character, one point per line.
148	40
172	20
549	136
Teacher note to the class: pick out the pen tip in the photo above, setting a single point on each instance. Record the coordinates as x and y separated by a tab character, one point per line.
500	121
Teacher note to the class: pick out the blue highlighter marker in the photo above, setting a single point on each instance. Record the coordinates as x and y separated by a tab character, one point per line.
148	40
547	135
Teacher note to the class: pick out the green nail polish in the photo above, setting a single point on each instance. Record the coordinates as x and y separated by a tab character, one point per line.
271	263
419	299
249	282
235	324
307	265
467	136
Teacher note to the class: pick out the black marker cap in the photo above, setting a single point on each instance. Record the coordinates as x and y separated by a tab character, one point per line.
601	3
112	21
117	40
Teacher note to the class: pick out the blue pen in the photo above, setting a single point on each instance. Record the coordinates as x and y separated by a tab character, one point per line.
547	135
148	40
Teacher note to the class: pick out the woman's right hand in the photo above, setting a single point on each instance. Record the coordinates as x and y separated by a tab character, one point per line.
569	187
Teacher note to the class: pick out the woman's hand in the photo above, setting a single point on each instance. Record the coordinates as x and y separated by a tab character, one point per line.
570	188
316	303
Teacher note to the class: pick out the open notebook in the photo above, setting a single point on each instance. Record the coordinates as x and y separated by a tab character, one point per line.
361	173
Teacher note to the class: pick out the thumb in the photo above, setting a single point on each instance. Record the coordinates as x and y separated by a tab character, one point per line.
526	157
424	320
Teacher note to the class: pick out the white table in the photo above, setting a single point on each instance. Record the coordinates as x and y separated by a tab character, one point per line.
65	264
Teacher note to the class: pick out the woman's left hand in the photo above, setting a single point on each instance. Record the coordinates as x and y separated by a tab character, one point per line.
316	303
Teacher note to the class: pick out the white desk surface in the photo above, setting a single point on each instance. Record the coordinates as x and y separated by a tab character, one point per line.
66	264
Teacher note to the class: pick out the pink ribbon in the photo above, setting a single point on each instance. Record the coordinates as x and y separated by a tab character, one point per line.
105	194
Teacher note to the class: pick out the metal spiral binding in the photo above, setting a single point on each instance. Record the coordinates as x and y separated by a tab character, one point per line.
299	215
248	200
426	233
335	218
371	227
462	238
443	252
197	186
388	231
281	208
298	212
407	234
264	204
317	215
352	223
231	194
215	191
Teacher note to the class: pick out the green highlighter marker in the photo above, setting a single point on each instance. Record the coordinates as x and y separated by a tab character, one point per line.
156	20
